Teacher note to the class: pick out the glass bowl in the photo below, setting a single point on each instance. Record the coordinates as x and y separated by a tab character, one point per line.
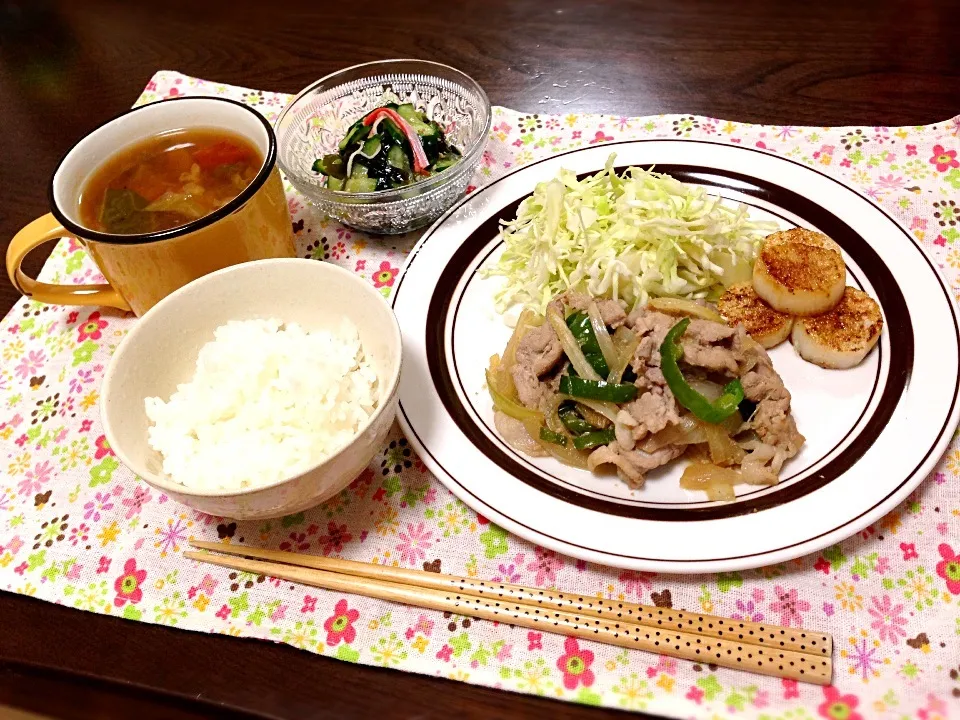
315	120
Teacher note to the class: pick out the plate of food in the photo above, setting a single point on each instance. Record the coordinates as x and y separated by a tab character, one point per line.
676	356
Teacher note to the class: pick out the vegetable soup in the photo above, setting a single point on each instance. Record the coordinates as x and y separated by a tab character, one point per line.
168	180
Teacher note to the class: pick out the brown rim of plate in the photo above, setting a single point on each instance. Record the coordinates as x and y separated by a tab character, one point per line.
766	191
891	299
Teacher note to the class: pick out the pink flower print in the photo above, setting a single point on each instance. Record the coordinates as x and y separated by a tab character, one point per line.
339	626
546	564
601	137
360	266
414	543
508	574
224	612
34	479
635	582
335	539
822	565
297	541
695	694
86	425
949	568
790	689
909	551
488	158
100	503
208	584
911	150
534	641
838	707
747	611
445	652
918	223
79	534
104	566
103	448
92	329
575	665
279	613
888	619
944	159
30	364
13	545
173	92
384	275
422	626
141	496
128	584
788	606
309	604
338	250
575	135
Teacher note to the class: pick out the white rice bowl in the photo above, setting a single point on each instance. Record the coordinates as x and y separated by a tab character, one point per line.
266	402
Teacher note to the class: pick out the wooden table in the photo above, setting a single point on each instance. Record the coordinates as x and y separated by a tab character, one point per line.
67	66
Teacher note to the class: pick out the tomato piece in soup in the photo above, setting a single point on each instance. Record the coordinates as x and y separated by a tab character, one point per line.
220	153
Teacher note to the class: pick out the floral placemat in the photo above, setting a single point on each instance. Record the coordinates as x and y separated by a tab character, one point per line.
78	529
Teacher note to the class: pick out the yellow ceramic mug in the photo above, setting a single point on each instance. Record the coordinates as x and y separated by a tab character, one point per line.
143	269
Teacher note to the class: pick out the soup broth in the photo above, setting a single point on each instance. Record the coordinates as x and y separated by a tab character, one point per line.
168	180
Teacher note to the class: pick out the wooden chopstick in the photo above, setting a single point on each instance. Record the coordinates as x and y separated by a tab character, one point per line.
623	632
744	632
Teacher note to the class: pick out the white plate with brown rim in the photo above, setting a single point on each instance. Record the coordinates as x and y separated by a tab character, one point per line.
873	432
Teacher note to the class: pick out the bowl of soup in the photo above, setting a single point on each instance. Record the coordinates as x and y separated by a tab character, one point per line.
160	196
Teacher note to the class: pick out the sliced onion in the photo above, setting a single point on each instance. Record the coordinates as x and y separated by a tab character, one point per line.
723	450
603	337
687	432
570	346
716	481
608	409
552	416
504	377
508	406
591	415
681	306
515	434
625	342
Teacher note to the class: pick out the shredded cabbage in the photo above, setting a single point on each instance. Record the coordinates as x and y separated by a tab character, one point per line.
626	237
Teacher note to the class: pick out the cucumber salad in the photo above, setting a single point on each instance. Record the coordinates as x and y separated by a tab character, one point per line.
390	147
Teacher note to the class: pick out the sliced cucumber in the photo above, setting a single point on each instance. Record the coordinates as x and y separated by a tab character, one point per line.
443	162
330	165
334	183
410	113
359	170
398	159
371	146
355	134
393	131
360	184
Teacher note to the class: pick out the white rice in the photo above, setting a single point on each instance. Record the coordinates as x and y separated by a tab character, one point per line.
266	401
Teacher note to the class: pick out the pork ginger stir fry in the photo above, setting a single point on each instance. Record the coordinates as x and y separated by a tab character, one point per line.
595	387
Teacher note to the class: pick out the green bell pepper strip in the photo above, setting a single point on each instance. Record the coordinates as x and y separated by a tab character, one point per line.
548	435
712	412
597	389
572	420
579	324
590	440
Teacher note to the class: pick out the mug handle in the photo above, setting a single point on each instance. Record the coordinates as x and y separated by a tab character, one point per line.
44	229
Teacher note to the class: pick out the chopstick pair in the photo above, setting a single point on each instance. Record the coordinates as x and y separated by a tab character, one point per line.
792	653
